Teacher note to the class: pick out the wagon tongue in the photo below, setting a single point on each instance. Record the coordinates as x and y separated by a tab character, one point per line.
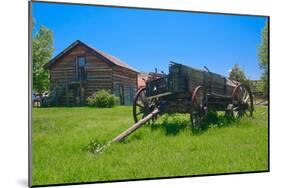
136	126
128	131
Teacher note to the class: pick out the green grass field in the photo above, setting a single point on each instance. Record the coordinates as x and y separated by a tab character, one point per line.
167	148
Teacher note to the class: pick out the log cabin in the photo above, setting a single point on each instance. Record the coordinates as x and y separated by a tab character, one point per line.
80	70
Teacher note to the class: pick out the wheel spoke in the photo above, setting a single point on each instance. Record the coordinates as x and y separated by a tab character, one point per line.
235	113
236	108
141	98
142	106
198	100
241	93
244	93
198	103
139	105
246	99
242	99
141	112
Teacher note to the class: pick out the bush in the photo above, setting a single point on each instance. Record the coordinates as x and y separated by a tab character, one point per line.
102	99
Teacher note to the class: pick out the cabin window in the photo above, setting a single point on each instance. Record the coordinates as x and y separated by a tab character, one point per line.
80	68
81	61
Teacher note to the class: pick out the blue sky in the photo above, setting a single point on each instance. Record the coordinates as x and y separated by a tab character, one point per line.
148	39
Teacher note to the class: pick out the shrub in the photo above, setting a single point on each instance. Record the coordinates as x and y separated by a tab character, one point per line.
102	99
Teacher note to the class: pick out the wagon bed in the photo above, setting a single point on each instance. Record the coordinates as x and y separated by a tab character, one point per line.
182	78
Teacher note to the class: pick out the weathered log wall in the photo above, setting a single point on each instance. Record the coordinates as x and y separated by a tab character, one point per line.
101	74
124	84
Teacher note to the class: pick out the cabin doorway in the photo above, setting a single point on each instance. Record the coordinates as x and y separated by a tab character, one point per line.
129	93
125	93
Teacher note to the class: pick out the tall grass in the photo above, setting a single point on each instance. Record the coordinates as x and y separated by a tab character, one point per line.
168	147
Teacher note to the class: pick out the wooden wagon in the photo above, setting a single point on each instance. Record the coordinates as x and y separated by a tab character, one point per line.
189	90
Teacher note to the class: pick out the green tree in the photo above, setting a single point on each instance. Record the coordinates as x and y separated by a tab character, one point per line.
263	58
42	49
237	74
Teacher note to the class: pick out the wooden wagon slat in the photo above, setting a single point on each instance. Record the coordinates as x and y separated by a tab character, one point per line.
160	95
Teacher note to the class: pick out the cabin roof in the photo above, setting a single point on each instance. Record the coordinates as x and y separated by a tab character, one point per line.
107	57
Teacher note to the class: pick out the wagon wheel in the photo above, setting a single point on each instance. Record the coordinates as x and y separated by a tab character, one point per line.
242	101
142	105
198	107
